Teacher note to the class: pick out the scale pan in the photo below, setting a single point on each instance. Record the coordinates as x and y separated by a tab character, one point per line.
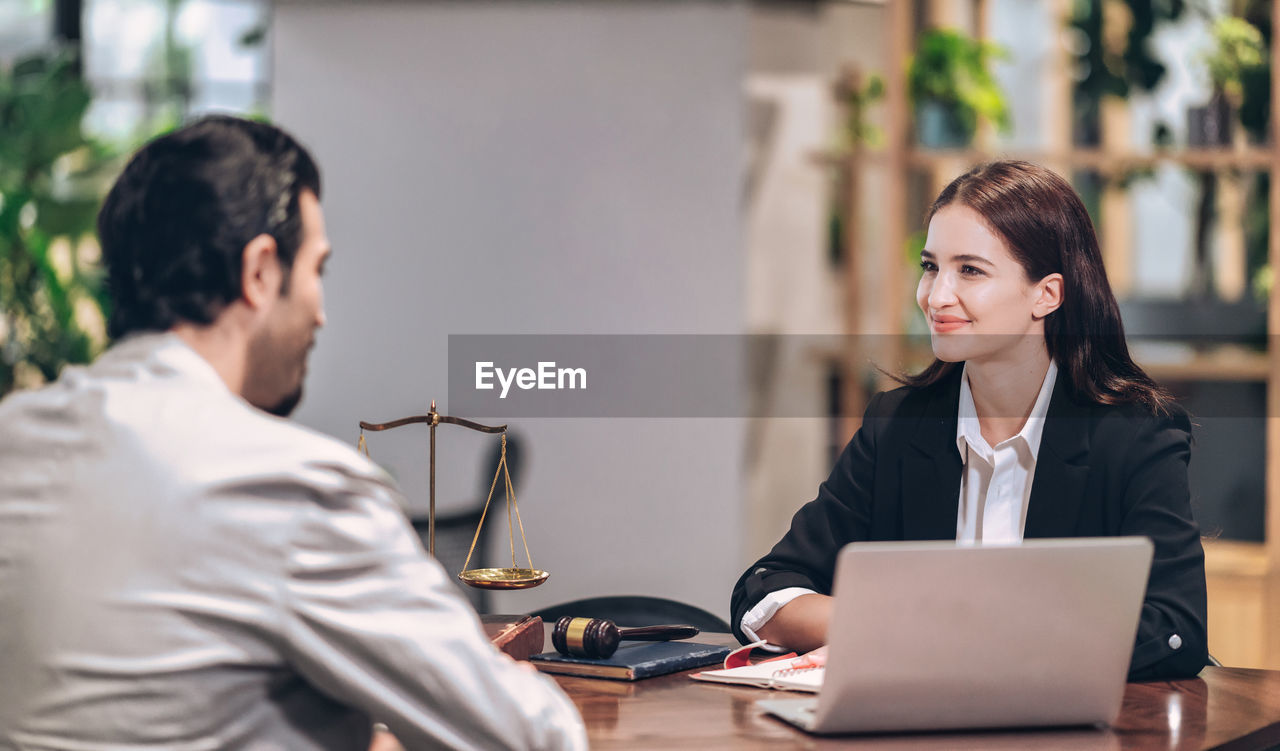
503	578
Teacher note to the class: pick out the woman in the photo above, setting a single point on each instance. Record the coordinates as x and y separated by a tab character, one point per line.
1033	421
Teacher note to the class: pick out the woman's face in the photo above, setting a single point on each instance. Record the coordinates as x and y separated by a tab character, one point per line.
976	298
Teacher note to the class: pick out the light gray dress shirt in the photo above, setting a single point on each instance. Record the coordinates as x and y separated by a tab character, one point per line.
179	570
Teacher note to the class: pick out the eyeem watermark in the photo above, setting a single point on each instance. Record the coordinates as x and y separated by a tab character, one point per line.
686	376
546	377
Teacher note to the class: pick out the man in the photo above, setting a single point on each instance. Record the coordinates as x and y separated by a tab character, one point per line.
179	568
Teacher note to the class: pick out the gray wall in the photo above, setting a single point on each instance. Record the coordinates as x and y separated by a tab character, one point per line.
511	167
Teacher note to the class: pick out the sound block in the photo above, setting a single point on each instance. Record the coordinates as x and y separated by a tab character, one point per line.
520	636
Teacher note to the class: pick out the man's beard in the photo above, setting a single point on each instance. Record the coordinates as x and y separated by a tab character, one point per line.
287	405
274	379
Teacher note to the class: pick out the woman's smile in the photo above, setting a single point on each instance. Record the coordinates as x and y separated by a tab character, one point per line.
945	324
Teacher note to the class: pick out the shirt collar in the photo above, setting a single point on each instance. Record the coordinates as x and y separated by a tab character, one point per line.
969	433
163	354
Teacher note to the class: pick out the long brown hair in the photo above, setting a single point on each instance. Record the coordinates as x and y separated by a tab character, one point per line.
1046	228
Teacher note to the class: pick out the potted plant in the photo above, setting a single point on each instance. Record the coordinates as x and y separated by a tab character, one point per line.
857	132
1238	48
51	296
951	88
858	97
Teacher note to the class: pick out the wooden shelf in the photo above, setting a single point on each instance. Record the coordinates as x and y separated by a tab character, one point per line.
1243	579
1101	160
1228	363
1104	160
1230	558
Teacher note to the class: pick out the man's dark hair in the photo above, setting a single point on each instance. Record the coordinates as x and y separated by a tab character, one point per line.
175	224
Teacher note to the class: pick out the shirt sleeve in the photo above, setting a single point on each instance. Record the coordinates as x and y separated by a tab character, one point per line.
374	622
764	611
1172	639
805	557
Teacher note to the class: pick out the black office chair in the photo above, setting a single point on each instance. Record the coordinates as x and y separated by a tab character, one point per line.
455	531
636	610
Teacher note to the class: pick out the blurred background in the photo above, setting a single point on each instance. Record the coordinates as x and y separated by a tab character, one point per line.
695	167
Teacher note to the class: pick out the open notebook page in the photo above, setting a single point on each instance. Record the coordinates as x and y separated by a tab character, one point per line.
796	674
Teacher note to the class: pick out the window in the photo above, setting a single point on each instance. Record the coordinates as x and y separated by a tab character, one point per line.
155	63
25	25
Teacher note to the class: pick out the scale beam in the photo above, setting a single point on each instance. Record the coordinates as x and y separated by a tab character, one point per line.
433	419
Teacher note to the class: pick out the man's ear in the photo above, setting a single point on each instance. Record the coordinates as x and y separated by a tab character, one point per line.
1050	296
261	274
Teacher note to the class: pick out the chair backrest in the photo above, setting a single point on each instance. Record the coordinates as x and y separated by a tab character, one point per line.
636	610
455	531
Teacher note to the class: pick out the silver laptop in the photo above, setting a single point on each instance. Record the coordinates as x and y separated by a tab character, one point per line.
937	636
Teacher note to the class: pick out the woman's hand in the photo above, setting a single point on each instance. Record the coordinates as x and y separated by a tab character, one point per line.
800	625
384	741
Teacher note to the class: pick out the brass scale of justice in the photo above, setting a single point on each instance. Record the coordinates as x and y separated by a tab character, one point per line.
584	637
513	577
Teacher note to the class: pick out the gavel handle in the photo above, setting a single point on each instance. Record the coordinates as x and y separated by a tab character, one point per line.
658	633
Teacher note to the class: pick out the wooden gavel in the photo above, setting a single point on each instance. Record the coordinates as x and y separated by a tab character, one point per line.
596	638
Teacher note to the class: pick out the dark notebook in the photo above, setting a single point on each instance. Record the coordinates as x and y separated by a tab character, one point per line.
635	660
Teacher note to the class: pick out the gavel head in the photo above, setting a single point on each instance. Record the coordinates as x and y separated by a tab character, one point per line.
594	638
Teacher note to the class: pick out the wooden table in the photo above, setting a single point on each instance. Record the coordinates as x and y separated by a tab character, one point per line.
1229	708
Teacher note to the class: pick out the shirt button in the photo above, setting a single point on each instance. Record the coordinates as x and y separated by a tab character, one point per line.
1175	642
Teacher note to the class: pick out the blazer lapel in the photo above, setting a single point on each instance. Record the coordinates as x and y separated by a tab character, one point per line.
931	468
1062	468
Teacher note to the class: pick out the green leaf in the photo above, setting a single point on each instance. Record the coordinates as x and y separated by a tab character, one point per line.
71	217
954	69
47	161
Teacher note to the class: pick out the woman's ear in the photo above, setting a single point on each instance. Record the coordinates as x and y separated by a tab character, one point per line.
261	275
1048	297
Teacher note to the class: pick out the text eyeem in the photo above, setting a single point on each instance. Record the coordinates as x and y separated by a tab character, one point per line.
546	377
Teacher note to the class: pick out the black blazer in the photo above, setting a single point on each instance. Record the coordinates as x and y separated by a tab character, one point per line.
1100	471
